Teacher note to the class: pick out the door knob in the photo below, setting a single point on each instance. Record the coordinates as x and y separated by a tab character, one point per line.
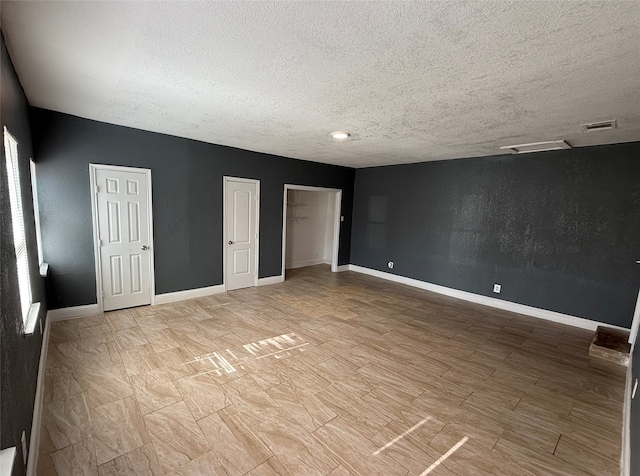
230	242
145	247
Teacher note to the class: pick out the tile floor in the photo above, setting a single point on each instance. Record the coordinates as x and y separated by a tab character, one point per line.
338	374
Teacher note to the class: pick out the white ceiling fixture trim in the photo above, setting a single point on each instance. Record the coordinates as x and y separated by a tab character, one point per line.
537	147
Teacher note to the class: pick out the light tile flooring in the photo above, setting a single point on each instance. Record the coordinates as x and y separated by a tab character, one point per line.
326	374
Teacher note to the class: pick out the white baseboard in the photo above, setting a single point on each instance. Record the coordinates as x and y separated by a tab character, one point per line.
7	460
302	264
34	442
487	301
625	453
72	312
343	267
189	294
270	280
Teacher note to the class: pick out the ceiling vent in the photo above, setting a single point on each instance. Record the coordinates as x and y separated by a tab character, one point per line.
599	126
537	147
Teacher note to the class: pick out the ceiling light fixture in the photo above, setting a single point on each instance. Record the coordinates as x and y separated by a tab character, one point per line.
537	147
340	135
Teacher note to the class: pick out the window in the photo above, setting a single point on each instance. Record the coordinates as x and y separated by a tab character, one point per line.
36	212
17	218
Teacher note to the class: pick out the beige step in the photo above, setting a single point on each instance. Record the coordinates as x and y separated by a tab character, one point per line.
611	345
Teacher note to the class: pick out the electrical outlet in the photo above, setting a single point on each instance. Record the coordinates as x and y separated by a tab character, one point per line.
390	264
497	288
23	439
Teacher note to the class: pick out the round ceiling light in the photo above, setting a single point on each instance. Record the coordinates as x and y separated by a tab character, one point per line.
340	135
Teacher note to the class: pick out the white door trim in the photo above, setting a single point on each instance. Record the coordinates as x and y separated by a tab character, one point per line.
336	221
93	169
635	323
226	179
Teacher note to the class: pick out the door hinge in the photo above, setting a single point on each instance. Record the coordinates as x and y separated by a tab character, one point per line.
97	189
102	294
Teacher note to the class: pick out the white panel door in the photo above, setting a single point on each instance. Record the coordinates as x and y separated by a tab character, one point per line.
123	231
241	208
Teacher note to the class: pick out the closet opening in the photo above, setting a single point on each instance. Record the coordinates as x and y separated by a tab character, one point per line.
311	227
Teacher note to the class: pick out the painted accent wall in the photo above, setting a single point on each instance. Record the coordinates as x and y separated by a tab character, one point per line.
187	201
558	230
19	354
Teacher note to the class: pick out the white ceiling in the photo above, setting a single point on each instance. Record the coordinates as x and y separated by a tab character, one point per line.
411	81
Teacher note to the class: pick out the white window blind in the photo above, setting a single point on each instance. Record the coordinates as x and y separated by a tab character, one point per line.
36	210
17	218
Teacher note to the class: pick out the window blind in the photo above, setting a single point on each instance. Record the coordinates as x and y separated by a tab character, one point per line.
17	219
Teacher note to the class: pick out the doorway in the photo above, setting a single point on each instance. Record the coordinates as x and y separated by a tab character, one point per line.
121	211
311	226
241	225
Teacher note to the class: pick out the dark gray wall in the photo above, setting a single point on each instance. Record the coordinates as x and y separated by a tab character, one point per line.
635	415
187	201
558	230
19	355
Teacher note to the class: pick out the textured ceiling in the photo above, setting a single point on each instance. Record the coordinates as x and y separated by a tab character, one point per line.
411	81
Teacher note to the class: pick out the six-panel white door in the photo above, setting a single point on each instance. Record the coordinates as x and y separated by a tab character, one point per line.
241	208
123	231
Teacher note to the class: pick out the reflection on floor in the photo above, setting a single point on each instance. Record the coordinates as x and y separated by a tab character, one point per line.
326	374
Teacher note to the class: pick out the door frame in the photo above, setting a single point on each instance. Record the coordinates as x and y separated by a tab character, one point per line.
225	181
93	169
336	221
635	323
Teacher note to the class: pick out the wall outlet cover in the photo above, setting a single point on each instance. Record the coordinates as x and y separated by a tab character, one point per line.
497	288
390	264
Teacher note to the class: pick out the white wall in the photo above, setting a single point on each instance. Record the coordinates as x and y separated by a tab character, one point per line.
309	228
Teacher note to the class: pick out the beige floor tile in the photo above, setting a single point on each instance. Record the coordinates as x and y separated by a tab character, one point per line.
150	323
61	382
535	462
175	436
154	390
354	451
139	359
301	404
46	466
313	375
142	461
79	458
203	465
117	429
130	337
340	471
118	320
202	394
590	461
234	446
162	339
67	421
271	467
105	385
82	355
